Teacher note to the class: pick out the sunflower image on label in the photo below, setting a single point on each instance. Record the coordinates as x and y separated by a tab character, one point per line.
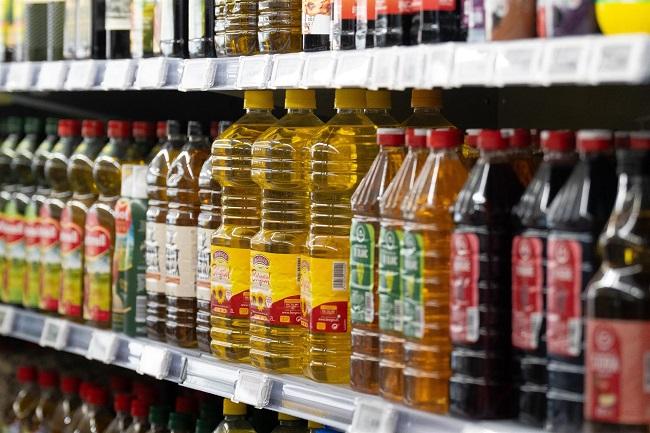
275	289
230	282
155	257
412	280
50	261
527	291
305	290
316	17
362	272
329	295
203	263
15	253
463	296
180	261
71	239
390	284
31	296
98	258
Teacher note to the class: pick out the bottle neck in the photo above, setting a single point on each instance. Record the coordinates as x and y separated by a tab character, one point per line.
495	155
258	110
377	110
349	110
558	156
426	110
233	417
299	111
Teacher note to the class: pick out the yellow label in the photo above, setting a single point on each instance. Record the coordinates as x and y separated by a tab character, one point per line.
329	295
230	284
275	288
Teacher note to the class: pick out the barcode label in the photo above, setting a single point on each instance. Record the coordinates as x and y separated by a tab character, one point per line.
339	275
472	324
575	336
399	313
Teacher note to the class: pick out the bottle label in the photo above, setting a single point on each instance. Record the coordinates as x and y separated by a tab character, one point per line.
230	281
180	261
362	272
118	15
203	265
305	290
329	295
72	263
275	289
439	5
98	251
390	283
155	257
122	261
388	7
84	29
618	352
464	315
527	291
196	19
347	9
564	314
51	260
412	276
316	17
166	20
31	297
15	250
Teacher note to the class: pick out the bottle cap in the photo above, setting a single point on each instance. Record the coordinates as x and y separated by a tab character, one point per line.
96	396
69	384
119	384
492	139
51	126
558	140
139	191
471	137
92	128
185	404
258	99
444	138
161	129
69	128
174	127
378	99
232	408
205	425
142	129
33	125
421	98
621	139
350	98
594	140
122	402
640	140
179	422
194	128
47	378
518	138
314	425
26	374
300	98
390	136
84	388
416	137
119	129
14	125
139	408
158	415
285	417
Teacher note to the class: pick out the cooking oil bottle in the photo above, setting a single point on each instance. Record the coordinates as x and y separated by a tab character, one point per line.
48	381
157	231
235	27
391	239
378	109
240	207
181	243
426	105
364	248
279	26
67	405
25	402
234	418
73	218
341	153
468	152
279	154
425	273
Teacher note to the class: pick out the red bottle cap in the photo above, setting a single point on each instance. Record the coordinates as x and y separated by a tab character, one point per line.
69	384
471	137
161	129
69	128
47	378
92	128
622	139
26	374
96	396
122	402
84	388
640	140
492	139
139	408
416	137
184	404
444	138
143	129
559	140
518	138
390	137
119	129
594	140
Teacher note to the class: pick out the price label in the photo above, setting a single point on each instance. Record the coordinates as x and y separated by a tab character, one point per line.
119	74
566	60
103	346
52	75
55	333
319	69
82	75
253	72
21	75
410	68
384	68
154	361
621	58
152	73
253	389
7	315
353	69
373	415
473	65
518	63
286	71
438	64
226	75
198	74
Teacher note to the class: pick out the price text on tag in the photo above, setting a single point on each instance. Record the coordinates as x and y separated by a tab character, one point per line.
154	361
103	346
7	315
253	389
55	333
373	416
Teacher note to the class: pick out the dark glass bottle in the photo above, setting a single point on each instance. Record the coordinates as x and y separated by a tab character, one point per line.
173	28
35	22
316	23
200	29
118	29
440	21
366	15
91	31
55	23
142	28
388	26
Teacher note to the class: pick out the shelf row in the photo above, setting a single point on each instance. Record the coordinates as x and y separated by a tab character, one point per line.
585	60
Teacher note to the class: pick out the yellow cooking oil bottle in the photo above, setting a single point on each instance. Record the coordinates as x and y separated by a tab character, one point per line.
341	153
424	271
426	105
240	207
73	218
378	105
279	156
364	255
391	238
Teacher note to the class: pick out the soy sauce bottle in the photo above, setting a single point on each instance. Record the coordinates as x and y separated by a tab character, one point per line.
118	29
440	21
173	28
398	23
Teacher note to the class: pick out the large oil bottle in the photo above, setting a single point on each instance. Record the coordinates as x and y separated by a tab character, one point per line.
279	155
426	105
378	109
180	247
73	218
156	229
240	207
56	167
340	155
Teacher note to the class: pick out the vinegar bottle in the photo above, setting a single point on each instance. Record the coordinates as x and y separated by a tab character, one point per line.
139	416
234	418
122	420
66	406
25	402
523	163
378	109
278	29
278	160
98	417
364	263
80	412
48	381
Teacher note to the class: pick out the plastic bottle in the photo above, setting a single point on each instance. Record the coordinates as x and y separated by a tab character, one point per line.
378	109
98	417
34	22
122	420
441	22
73	218
519	141
313	426
144	137
179	423
173	28
426	105
529	272
48	381
343	25
66	406
139	416
617	320
278	28
278	158
234	418
389	286
181	244
481	383
340	155
240	204
468	151
142	28
156	230
556	18
364	260
236	27
56	167
70	29
205	425
80	412
26	400
316	25
576	217
289	424
157	419
365	15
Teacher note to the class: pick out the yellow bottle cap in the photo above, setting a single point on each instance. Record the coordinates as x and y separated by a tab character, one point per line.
297	98
314	424
426	98
232	408
378	99
350	98
285	417
258	99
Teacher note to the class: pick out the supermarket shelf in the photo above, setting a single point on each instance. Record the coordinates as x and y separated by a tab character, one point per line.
337	406
580	60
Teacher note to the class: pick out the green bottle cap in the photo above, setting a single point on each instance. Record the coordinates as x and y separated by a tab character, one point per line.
33	125
51	126
205	425
14	125
179	422
158	415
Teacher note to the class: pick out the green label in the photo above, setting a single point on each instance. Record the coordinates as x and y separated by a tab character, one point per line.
362	270
14	231
412	273
31	297
390	284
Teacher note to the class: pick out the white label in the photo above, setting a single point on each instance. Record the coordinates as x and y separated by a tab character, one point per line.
253	389
384	69
82	75
474	64
7	315
180	261
287	70
253	72
20	76
152	73
319	70
373	416
204	237
411	68
84	29
118	15
154	361
198	74
52	75
166	20
119	74
55	333
352	69
103	346
155	257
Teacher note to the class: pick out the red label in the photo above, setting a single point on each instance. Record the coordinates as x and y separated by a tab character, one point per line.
389	7
527	291
439	5
617	377
564	316
98	238
32	233
49	228
464	316
71	234
329	317
14	230
347	9
122	216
